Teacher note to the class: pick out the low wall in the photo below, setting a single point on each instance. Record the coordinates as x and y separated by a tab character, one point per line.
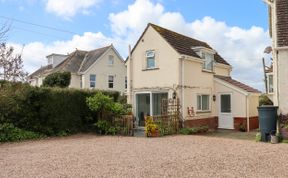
211	122
253	122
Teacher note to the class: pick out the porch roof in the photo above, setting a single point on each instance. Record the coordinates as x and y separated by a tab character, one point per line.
237	84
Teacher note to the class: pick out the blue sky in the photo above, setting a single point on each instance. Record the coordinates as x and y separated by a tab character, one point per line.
236	29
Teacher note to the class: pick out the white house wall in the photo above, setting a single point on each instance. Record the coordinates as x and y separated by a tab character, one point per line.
166	60
238	100
282	80
75	81
103	70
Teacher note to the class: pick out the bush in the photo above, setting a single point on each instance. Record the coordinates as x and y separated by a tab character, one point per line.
10	133
264	100
57	79
48	111
194	130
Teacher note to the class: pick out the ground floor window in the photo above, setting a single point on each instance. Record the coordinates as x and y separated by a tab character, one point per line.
148	104
203	102
92	80
110	81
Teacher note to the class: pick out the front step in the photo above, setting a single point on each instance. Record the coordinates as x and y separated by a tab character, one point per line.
139	132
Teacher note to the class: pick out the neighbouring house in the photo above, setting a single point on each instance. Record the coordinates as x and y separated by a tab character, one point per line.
278	74
164	63
102	69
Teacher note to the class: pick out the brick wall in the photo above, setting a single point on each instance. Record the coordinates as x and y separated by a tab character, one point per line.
211	122
253	122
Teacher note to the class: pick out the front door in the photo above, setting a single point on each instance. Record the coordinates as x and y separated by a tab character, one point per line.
225	119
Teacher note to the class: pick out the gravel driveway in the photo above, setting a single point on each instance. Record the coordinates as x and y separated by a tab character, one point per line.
173	156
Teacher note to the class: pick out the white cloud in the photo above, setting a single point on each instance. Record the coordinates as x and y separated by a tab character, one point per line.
242	48
69	8
34	54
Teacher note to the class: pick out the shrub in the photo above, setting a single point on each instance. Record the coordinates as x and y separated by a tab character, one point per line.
264	100
10	133
258	137
57	79
194	130
102	126
49	111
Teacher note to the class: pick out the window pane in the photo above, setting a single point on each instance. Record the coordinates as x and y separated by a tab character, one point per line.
199	102
92	84
150	62
125	82
110	81
225	103
92	81
270	84
92	77
208	63
111	60
205	102
157	102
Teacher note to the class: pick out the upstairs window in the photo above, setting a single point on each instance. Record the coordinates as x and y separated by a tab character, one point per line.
208	61
150	59
92	80
203	102
125	82
110	81
111	60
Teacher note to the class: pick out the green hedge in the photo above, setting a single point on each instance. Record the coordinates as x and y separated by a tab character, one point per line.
49	111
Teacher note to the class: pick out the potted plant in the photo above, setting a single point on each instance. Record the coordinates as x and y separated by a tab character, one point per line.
283	120
242	127
151	129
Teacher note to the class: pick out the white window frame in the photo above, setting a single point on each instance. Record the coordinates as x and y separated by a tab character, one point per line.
110	60
201	103
205	64
90	81
270	90
109	82
150	54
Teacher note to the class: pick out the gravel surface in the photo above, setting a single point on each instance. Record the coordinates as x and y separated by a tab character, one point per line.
173	156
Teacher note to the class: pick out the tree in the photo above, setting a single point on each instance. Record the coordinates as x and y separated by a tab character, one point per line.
57	79
11	66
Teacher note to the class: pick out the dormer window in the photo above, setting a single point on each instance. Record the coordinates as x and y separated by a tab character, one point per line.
150	59
208	61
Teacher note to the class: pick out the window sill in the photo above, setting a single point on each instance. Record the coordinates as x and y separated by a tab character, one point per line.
202	112
156	68
208	71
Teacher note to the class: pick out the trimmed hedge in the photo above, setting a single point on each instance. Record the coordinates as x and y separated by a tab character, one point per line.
48	111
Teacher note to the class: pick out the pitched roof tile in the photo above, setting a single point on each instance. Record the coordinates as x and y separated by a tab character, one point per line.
183	44
282	22
237	84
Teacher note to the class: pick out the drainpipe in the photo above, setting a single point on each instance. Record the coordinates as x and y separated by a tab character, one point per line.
182	83
247	113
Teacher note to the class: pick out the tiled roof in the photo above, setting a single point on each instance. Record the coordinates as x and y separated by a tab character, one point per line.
92	56
183	44
80	61
40	71
282	22
237	84
72	63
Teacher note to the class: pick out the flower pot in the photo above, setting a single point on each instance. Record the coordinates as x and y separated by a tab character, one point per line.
284	133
